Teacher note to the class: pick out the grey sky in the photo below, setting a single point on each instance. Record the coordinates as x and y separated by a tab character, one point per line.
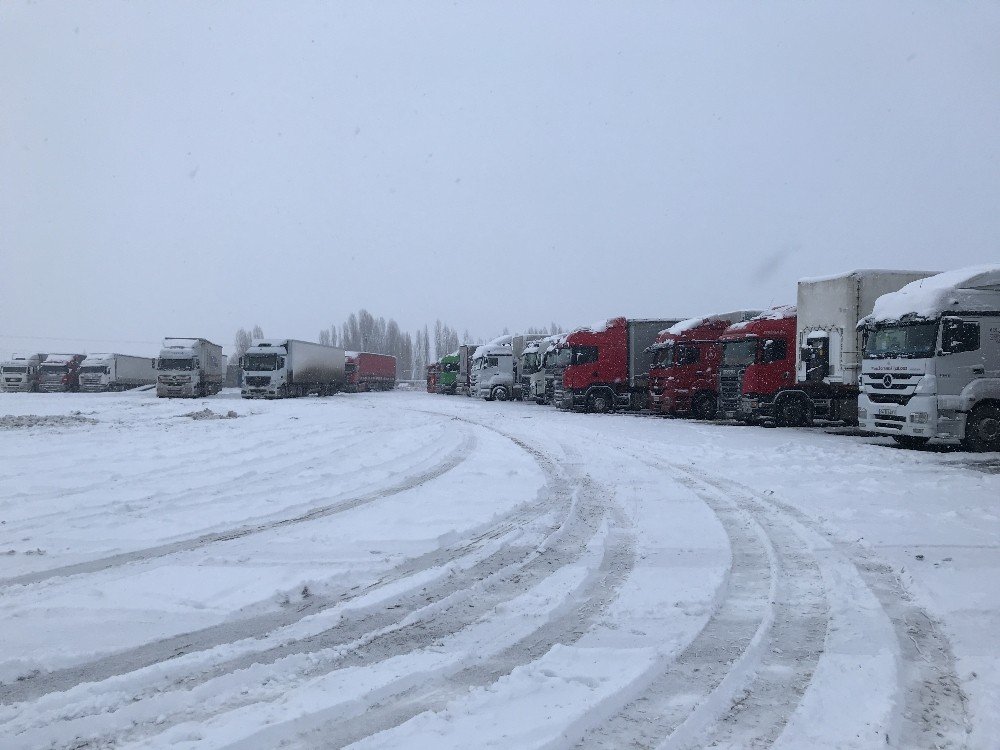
173	168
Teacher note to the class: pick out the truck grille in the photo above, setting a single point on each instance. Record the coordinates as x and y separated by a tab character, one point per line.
883	398
730	388
257	381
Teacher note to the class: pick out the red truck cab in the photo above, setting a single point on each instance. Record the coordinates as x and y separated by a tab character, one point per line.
432	372
684	377
608	365
758	361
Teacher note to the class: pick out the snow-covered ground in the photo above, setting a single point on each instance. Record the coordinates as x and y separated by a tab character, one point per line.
407	570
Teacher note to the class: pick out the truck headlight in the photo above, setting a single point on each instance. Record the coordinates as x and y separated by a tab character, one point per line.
920	417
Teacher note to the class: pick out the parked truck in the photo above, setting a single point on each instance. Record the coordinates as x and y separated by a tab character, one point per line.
608	365
432	377
536	379
931	367
447	378
116	372
758	360
287	368
369	372
189	367
684	376
495	368
463	383
60	372
20	373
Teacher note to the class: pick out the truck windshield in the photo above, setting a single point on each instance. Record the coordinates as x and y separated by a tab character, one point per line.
739	353
913	341
93	369
260	362
449	367
663	357
562	357
175	364
529	363
15	369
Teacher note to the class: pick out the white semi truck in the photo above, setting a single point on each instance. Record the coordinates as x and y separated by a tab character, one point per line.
495	375
287	368
116	372
189	367
931	368
20	373
536	378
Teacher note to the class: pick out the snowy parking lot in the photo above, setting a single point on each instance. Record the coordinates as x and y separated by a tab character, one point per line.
406	570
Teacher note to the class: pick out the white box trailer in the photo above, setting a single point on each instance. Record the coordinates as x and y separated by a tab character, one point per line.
285	368
828	355
116	372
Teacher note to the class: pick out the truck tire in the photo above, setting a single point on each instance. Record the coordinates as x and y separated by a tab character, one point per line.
499	393
910	441
704	407
982	429
792	412
599	402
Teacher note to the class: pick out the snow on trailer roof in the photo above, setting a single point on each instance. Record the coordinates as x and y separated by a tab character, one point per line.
780	312
691	323
925	299
498	350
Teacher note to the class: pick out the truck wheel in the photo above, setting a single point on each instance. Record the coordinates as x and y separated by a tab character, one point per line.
599	403
704	407
910	441
792	412
499	393
982	430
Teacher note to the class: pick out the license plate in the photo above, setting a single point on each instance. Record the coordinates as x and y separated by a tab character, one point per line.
888	412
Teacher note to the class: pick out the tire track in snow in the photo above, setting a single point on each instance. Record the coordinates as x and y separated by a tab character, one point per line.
933	713
453	459
419	620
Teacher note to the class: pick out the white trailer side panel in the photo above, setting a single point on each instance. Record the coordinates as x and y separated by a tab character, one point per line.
833	306
132	370
315	363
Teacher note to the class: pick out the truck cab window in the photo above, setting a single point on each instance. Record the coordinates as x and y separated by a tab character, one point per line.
775	350
958	336
584	355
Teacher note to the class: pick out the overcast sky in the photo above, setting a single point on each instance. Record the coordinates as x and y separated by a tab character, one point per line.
184	169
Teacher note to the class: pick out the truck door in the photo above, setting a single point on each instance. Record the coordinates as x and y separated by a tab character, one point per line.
961	358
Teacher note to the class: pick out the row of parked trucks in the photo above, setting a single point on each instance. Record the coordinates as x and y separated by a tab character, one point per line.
195	367
909	354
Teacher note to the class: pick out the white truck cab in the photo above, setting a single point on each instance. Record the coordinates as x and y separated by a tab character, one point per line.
494	372
931	368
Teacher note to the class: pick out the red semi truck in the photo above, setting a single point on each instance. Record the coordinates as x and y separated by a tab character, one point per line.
370	372
758	361
432	374
605	367
684	376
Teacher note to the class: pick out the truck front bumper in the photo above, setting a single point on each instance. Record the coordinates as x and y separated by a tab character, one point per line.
920	417
187	390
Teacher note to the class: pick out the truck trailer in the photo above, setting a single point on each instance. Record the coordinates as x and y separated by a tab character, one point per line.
684	376
287	368
116	372
369	372
931	367
189	368
608	365
60	373
20	373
